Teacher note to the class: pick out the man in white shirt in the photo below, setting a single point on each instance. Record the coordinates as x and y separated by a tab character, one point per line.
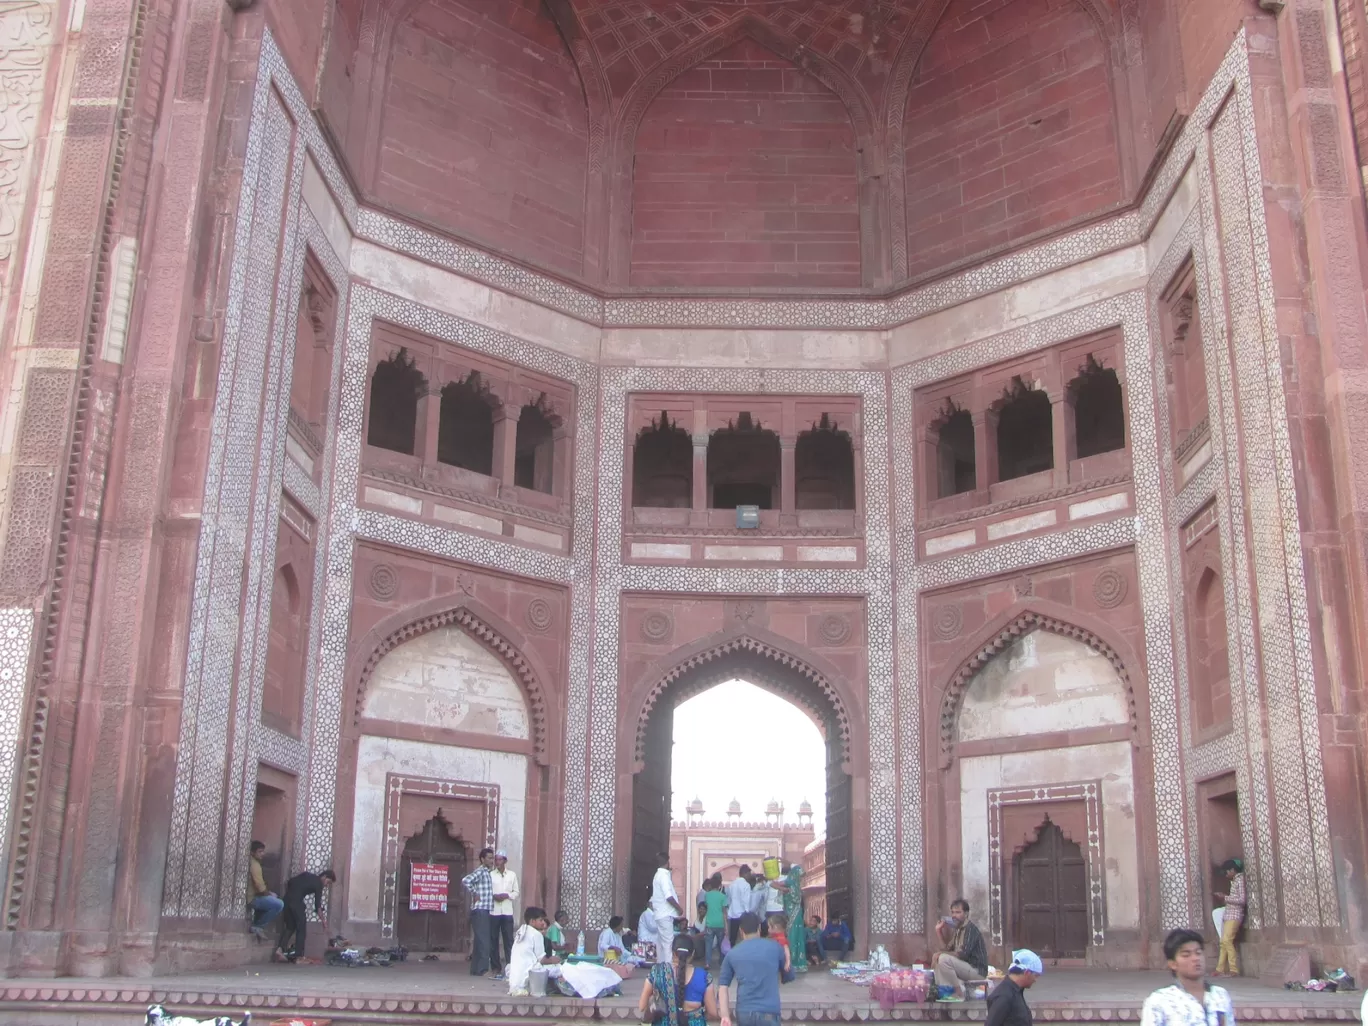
501	920
1189	1000
665	907
738	903
774	903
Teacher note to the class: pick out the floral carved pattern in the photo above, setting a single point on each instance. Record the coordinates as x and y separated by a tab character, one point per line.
1109	588
482	632
1009	635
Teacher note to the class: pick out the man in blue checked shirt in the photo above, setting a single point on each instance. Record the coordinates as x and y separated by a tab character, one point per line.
1189	1000
481	887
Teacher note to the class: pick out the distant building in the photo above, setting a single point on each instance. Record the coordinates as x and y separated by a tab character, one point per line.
700	848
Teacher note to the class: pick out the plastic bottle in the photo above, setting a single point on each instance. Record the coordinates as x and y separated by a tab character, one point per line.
579	946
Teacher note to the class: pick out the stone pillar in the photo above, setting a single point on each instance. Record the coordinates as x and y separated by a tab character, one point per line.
560	460
1061	435
788	483
700	474
506	442
429	426
985	450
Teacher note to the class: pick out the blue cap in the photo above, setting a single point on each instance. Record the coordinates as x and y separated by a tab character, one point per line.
1026	960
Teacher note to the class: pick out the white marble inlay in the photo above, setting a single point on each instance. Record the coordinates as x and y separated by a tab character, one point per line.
393	500
1200	457
530	534
1020	525
1098	506
828	553
659	550
744	553
950	542
297	453
464	517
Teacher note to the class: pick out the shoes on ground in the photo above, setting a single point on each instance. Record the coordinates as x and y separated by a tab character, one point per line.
498	976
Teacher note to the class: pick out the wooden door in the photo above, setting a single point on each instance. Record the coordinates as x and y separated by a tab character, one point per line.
1050	885
840	893
651	798
433	931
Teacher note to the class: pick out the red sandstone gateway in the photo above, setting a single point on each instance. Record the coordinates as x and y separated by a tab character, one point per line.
410	404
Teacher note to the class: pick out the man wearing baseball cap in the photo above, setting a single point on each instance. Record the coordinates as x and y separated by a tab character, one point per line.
1007	1003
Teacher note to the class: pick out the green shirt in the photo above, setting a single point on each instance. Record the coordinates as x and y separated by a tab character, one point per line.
716	902
554	934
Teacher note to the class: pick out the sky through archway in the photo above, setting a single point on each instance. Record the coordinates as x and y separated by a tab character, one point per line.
739	741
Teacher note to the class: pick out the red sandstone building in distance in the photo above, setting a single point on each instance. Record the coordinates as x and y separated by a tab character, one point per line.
408	403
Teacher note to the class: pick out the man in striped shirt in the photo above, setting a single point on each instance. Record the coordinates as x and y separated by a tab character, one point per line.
481	887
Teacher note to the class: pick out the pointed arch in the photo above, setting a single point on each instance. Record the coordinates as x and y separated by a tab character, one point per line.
478	626
766	661
1004	633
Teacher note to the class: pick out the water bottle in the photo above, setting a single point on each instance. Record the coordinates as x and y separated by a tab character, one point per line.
579	946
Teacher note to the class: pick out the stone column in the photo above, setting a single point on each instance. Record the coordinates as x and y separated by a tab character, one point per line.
1060	434
425	442
506	442
700	475
788	483
560	460
985	450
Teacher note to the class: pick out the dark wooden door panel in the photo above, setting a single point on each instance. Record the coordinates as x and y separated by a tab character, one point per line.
433	931
1050	886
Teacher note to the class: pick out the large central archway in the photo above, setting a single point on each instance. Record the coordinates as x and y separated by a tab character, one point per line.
776	669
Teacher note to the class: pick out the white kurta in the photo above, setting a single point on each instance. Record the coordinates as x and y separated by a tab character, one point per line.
662	891
528	950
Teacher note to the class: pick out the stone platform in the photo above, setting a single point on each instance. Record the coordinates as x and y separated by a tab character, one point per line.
442	992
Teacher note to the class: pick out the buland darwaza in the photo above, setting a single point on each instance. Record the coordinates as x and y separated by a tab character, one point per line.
408	403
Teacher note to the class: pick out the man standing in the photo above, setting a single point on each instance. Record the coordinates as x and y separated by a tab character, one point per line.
966	957
1007	1004
756	963
738	903
714	920
501	921
1189	1000
294	923
665	908
261	899
481	887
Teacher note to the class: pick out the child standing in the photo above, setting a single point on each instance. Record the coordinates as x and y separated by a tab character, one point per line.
778	931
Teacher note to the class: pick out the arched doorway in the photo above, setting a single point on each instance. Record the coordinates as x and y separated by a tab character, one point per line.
1049	895
1038	736
762	664
433	930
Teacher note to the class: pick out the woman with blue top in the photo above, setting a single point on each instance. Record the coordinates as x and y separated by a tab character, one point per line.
683	993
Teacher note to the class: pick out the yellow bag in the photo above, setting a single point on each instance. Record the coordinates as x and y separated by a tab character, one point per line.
772	869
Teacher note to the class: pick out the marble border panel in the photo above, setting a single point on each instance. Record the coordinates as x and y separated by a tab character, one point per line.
1237	580
16	649
304	491
231	478
323	676
1306	872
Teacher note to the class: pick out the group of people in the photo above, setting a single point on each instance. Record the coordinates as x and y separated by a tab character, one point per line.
777	905
494	893
266	905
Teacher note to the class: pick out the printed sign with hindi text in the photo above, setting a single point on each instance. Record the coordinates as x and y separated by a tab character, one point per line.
428	887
